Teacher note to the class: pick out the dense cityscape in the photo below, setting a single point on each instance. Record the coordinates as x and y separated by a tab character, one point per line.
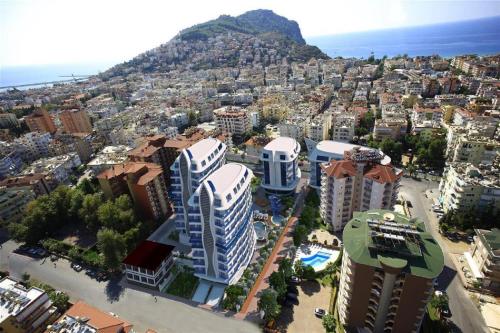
236	179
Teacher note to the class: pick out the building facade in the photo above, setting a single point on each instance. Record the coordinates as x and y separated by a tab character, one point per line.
75	121
189	170
484	258
279	160
233	120
389	265
359	182
220	224
40	121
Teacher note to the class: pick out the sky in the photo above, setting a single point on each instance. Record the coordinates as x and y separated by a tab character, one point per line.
36	32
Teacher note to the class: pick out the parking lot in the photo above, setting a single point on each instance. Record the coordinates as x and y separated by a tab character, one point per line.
300	317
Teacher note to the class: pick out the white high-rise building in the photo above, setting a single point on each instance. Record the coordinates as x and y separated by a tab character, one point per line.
357	183
281	171
190	169
221	231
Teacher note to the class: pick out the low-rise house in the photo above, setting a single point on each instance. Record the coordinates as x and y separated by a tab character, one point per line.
149	264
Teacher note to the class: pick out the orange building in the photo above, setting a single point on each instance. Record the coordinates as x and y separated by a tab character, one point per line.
144	182
75	121
40	121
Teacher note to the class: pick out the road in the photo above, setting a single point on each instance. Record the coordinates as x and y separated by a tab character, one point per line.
136	305
465	315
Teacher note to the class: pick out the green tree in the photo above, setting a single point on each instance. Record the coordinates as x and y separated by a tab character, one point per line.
411	168
233	292
309	273
86	186
298	268
299	235
278	283
392	149
112	245
329	323
60	300
286	268
89	209
76	203
268	303
439	302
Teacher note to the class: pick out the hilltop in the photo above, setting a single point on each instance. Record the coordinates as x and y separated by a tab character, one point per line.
257	37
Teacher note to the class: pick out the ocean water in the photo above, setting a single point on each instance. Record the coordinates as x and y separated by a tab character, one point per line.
13	76
478	36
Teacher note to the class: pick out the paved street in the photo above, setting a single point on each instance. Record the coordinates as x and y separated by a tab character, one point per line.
137	306
465	315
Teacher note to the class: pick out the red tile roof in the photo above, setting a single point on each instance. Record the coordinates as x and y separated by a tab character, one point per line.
148	255
101	321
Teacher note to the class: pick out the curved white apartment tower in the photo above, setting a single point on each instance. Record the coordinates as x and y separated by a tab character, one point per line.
279	161
190	169
326	151
220	224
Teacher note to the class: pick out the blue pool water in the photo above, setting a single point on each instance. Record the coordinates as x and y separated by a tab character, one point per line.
316	259
260	230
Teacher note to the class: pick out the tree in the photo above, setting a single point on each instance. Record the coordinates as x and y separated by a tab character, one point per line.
76	202
278	283
298	267
309	273
233	292
439	302
411	168
286	268
88	211
392	149
112	245
86	186
329	323
268	303
59	300
299	235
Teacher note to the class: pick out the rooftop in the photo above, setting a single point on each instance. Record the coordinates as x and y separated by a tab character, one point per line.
490	239
148	255
226	176
14	298
381	237
203	148
282	143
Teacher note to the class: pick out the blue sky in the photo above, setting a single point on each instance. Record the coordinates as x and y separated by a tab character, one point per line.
90	31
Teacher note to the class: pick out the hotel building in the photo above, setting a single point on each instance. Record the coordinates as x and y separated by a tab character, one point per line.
357	183
389	265
220	224
190	169
281	170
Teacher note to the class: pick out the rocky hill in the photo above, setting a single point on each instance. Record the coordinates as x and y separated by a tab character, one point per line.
258	37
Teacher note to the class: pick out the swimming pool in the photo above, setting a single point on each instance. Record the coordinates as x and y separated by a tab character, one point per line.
317	259
260	230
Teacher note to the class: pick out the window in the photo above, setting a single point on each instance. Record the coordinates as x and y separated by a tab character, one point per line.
283	174
217	203
282	157
203	163
265	155
228	197
266	173
151	281
143	279
322	158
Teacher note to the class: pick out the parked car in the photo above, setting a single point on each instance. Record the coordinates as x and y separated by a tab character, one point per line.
77	267
295	279
446	312
320	313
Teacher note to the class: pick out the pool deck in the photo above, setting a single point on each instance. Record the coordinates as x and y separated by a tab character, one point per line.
310	250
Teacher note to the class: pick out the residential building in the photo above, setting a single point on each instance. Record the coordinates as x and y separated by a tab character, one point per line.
326	151
220	224
23	310
8	120
189	170
474	150
254	146
390	128
84	318
343	127
484	258
319	127
57	169
36	182
144	182
13	201
279	160
357	183
233	120
40	121
108	157
296	128
10	164
75	121
389	266
149	264
464	187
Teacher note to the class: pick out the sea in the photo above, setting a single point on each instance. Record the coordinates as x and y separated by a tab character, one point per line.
449	39
480	37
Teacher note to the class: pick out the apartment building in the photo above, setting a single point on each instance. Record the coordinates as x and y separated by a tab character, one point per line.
484	258
40	121
357	183
189	170
389	128
23	310
233	120
8	120
279	160
343	127
108	157
36	182
464	187
84	318
389	265
296	128
10	164
75	121
320	126
220	224
474	150
145	184
149	264
57	169
13	201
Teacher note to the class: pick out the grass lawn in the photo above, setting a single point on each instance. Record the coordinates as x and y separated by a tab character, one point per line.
183	285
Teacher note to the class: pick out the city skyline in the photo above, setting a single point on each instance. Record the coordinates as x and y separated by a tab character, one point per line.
130	30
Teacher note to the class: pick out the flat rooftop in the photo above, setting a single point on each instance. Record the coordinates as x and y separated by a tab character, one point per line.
382	237
226	177
203	148
14	298
148	255
282	143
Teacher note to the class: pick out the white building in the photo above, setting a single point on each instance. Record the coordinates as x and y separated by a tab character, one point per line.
320	126
109	156
190	169
57	168
359	182
326	151
233	120
221	231
343	127
281	171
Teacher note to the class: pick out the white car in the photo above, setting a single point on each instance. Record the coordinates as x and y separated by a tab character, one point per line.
320	313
